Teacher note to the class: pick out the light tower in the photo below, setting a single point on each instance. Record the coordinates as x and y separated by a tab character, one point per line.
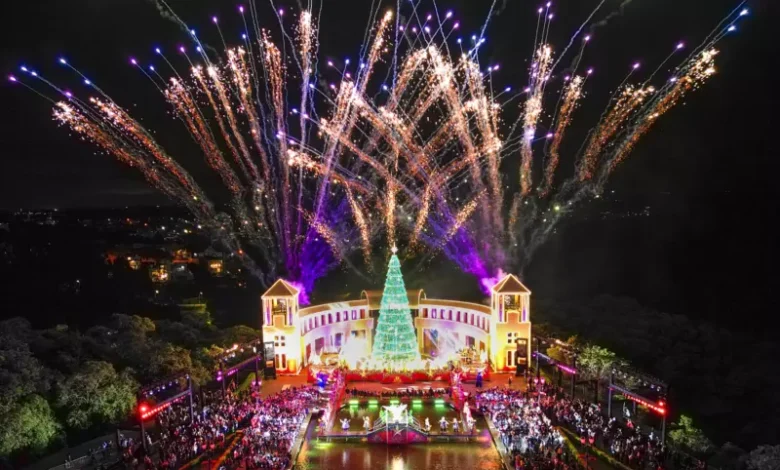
510	338
280	325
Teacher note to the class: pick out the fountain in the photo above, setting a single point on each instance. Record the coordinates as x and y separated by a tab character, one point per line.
396	414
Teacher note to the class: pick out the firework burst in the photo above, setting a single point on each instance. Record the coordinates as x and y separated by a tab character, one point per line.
417	156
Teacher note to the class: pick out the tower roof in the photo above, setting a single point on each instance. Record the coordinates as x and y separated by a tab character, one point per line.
281	288
510	284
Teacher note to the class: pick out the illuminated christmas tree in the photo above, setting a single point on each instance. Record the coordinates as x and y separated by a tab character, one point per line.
395	343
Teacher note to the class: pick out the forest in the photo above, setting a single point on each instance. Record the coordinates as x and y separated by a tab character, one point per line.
60	385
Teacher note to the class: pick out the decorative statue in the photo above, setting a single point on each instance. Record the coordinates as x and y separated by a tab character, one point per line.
345	424
455	378
467	414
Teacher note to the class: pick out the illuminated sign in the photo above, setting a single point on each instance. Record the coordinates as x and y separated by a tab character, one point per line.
146	410
659	407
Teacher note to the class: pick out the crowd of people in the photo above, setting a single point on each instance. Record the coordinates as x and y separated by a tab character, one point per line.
250	432
261	431
528	423
625	443
526	432
182	440
429	392
269	440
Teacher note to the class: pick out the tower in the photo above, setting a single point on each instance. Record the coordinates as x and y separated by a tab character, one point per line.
280	325
510	303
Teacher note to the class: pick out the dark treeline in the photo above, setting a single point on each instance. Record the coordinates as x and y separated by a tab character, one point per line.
60	385
725	380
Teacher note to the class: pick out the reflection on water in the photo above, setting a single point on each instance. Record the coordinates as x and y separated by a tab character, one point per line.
449	456
437	456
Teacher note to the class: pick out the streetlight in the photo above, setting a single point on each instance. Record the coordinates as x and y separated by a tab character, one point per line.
142	410
538	372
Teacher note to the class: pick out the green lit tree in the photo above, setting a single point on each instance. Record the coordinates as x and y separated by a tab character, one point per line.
97	394
30	426
595	362
395	343
689	437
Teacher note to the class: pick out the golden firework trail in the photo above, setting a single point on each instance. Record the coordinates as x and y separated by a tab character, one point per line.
411	130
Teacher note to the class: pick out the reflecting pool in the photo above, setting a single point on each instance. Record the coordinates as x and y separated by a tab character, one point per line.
478	454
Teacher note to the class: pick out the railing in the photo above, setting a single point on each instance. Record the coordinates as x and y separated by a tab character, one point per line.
279	311
103	456
412	422
378	424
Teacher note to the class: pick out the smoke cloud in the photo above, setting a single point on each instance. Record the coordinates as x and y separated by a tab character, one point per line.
167	13
612	15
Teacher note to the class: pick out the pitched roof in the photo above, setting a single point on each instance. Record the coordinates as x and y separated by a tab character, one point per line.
281	288
510	285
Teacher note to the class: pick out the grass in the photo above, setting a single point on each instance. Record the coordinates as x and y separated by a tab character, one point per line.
247	382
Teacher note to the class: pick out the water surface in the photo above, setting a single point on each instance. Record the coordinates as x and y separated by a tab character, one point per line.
480	454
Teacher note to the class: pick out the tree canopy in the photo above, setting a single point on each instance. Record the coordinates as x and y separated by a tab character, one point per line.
764	458
688	437
97	395
59	382
595	362
30	426
716	376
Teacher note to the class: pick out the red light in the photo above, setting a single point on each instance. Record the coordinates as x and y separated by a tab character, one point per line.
143	409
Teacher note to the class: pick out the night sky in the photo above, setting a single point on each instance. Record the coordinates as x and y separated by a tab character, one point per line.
707	171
